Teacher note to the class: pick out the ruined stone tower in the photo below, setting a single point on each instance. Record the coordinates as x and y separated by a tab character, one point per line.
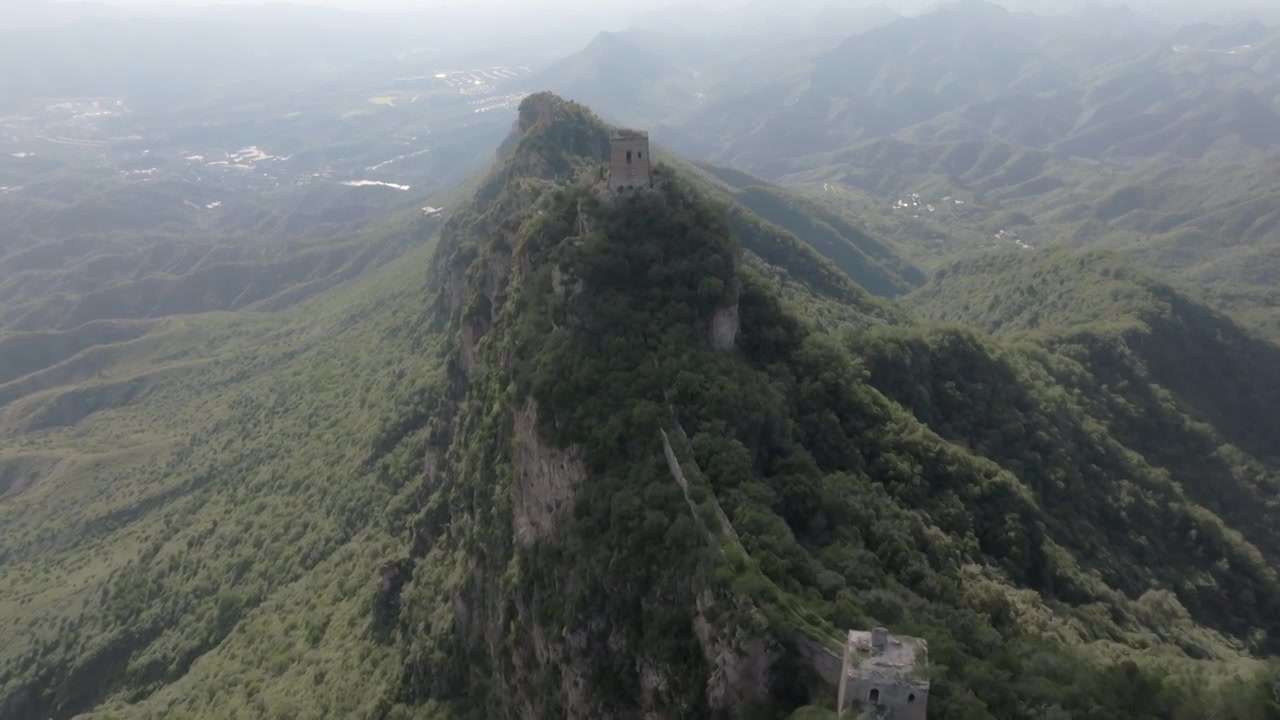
883	677
629	160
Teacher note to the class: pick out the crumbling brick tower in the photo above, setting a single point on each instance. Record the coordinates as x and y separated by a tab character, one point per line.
883	677
629	160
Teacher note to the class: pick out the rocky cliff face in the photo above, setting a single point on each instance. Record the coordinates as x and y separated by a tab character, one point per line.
546	479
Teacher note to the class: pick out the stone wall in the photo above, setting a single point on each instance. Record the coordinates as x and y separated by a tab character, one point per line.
902	701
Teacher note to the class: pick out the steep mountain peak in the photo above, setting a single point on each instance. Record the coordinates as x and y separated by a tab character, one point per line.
615	41
551	139
617	48
617	73
542	110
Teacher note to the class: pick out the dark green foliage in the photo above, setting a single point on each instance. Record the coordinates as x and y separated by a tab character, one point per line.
1003	407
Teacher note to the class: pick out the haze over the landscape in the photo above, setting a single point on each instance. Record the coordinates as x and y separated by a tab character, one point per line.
777	361
1178	7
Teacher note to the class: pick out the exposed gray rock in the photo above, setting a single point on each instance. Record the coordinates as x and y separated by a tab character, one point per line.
724	327
563	284
546	478
740	662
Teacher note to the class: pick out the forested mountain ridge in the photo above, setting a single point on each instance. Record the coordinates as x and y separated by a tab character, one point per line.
1219	373
973	71
589	333
597	455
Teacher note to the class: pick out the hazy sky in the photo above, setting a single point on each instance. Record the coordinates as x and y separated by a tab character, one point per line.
380	4
581	10
523	6
353	4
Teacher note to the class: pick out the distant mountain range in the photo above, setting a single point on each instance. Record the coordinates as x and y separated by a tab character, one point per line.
1094	86
1098	126
976	72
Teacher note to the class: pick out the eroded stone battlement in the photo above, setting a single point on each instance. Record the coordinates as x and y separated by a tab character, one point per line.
884	676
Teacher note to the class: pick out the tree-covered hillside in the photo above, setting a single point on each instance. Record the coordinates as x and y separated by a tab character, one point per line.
645	454
671	505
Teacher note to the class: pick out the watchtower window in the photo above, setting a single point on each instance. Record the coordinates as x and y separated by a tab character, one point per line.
639	154
874	696
911	697
628	156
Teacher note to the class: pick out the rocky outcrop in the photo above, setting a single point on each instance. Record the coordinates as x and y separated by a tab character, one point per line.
562	653
563	284
546	478
741	661
725	322
724	328
480	309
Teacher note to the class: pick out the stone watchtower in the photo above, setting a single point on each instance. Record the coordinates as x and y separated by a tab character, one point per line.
883	677
629	160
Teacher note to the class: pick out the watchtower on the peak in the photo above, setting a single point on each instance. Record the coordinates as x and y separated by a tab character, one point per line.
629	160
